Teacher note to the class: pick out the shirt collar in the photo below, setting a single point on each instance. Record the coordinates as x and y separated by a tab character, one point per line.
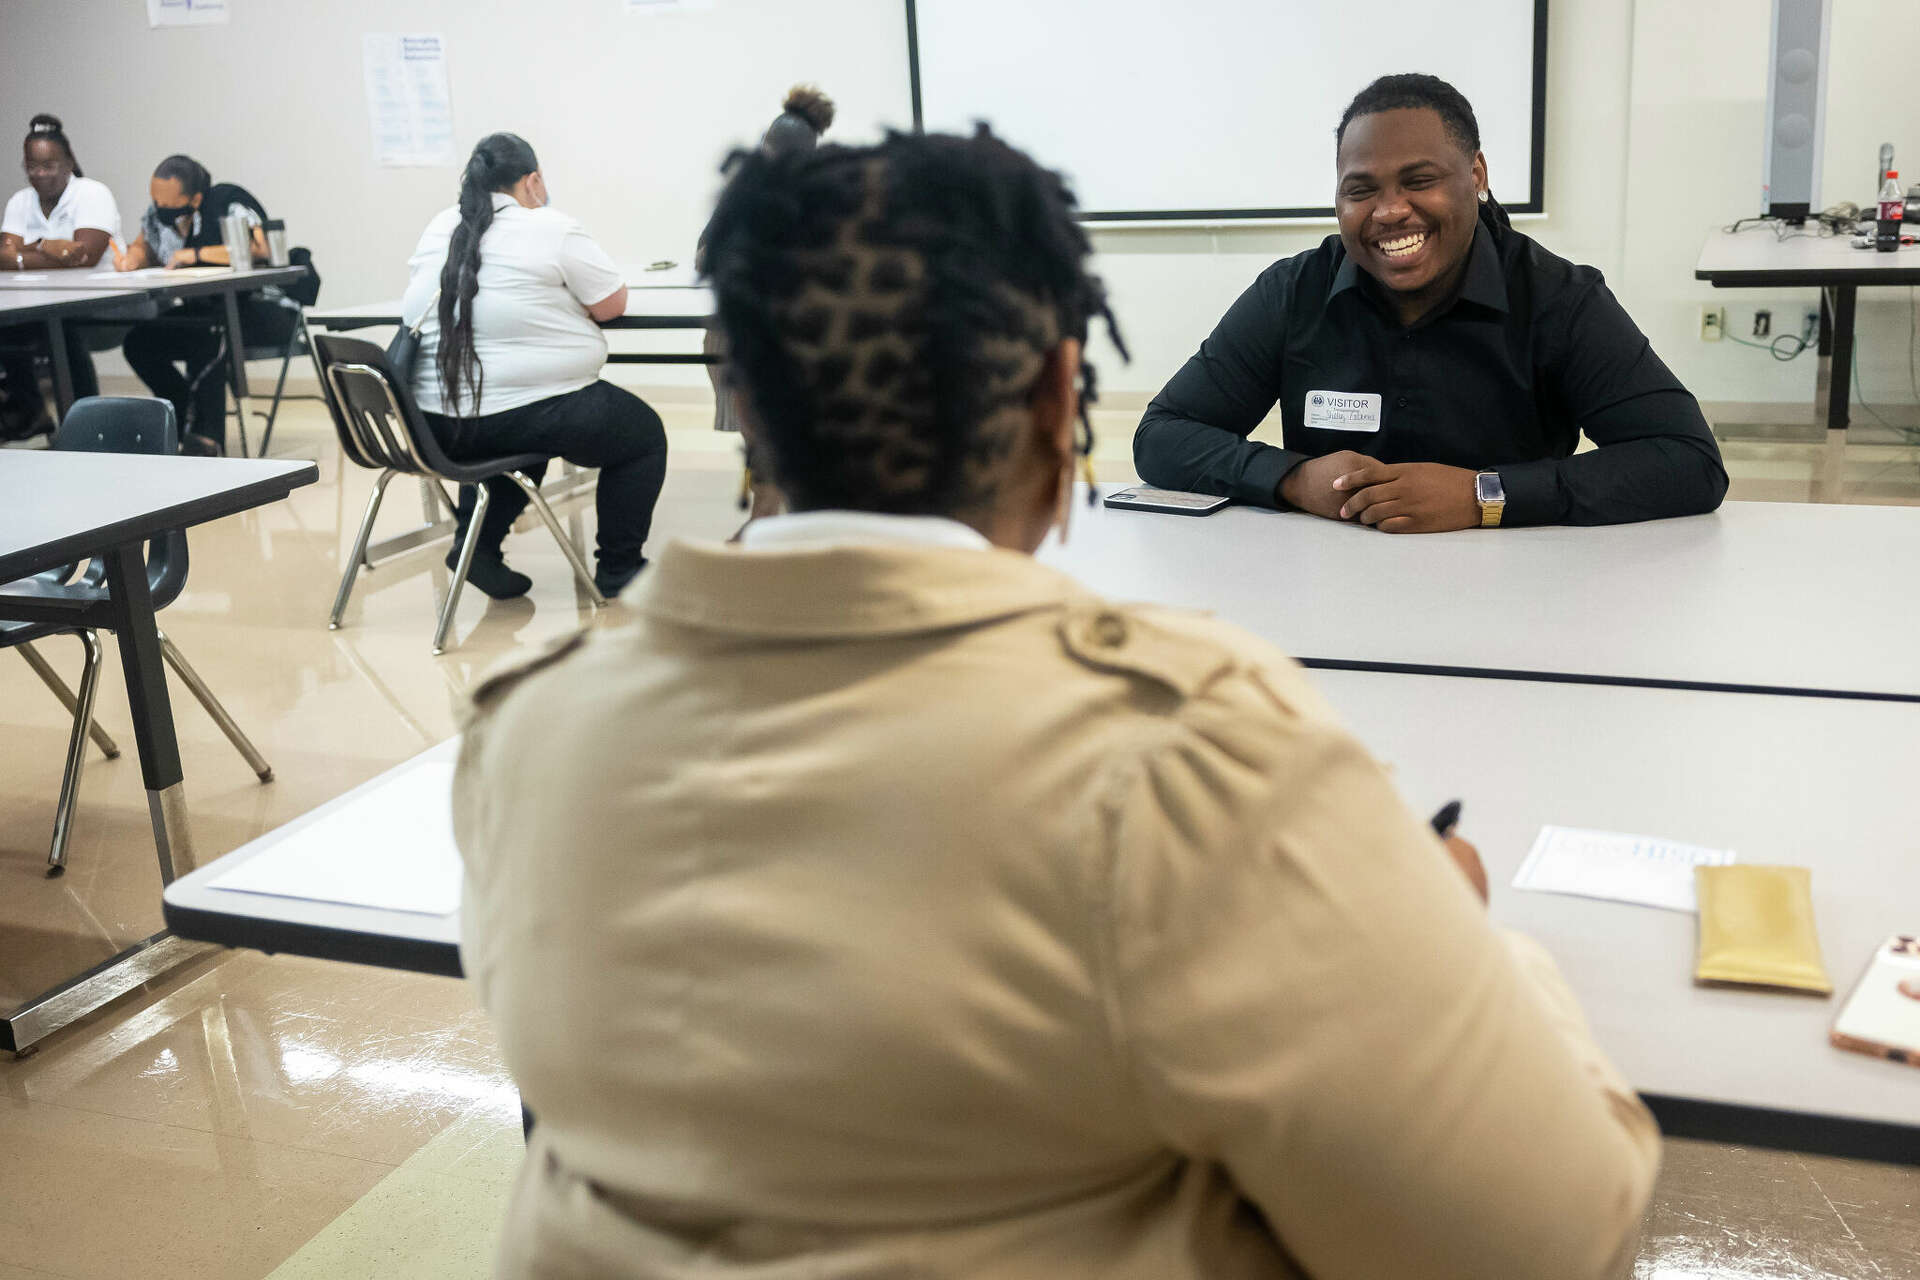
1485	281
859	528
822	591
501	200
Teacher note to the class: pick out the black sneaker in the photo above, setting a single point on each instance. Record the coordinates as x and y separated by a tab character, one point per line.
611	582
491	575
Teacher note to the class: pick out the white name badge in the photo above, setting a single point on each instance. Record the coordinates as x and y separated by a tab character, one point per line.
1343	411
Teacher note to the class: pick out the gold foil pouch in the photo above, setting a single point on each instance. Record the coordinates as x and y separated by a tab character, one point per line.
1756	927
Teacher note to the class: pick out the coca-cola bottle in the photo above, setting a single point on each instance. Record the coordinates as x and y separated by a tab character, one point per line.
1887	229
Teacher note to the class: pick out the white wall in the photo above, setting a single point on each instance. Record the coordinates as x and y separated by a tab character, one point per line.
1654	128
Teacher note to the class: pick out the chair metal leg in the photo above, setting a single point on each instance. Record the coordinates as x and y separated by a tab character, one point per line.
76	754
191	678
359	554
465	562
280	387
572	553
42	668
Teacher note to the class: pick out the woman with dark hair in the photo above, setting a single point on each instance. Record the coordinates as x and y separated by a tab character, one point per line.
60	220
803	118
1434	367
879	902
513	294
182	228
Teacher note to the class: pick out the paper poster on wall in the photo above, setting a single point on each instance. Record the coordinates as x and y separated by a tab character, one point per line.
185	13
651	7
408	102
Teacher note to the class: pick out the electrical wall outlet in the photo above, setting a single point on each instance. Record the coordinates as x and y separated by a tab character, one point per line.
1763	323
1713	324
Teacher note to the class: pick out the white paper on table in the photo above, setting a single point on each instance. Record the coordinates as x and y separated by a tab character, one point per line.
186	13
391	847
109	278
408	102
1623	868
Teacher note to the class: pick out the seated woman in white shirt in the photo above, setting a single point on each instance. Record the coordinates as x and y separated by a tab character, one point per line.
60	219
514	294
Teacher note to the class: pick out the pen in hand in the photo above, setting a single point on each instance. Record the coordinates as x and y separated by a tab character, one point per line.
1447	819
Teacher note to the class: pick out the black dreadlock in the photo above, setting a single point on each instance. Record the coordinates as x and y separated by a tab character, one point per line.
1415	91
886	307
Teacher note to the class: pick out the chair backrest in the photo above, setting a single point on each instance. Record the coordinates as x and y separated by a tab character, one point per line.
132	424
374	415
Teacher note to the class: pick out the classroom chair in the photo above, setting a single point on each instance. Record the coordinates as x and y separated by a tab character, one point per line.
380	428
112	424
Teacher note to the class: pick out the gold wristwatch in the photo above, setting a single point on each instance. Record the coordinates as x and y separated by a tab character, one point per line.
1492	497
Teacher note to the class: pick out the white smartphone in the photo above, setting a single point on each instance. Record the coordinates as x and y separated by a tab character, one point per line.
1175	502
1882	1015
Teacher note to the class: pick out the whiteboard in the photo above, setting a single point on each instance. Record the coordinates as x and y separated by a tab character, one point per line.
1219	109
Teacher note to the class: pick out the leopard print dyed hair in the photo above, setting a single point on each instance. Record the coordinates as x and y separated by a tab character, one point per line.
887	310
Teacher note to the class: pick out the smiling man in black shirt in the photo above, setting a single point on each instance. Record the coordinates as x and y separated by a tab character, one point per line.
1434	368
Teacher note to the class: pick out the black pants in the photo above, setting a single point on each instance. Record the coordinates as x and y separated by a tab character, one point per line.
599	425
195	335
19	345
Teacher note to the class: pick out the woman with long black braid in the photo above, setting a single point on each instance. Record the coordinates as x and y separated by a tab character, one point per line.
514	294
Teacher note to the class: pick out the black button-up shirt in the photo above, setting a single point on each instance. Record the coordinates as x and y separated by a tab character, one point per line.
1532	351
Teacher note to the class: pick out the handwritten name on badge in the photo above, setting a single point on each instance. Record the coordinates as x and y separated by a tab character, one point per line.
1343	410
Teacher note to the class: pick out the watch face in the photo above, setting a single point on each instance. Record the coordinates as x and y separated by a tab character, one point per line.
1487	488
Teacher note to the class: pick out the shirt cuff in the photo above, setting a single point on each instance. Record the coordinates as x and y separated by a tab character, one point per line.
1533	492
1260	483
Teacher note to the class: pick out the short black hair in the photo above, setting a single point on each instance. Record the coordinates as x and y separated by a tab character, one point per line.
188	172
887	308
1412	91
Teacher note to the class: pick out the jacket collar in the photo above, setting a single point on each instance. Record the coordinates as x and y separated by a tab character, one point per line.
844	591
1485	281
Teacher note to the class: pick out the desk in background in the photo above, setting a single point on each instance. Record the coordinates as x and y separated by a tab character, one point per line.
99	294
1758	257
667	307
1720	769
57	508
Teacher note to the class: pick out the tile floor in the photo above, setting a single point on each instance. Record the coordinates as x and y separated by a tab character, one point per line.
249	1116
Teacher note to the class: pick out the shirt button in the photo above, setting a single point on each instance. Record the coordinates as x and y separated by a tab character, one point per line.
1401	403
1110	631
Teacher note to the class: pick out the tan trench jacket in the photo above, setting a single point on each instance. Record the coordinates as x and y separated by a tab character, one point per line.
910	912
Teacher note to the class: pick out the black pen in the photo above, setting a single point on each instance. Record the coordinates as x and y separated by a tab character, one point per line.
1447	819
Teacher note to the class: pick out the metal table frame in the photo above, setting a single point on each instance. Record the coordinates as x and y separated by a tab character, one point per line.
128	612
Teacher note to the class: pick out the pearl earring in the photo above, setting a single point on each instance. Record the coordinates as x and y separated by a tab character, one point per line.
1484	196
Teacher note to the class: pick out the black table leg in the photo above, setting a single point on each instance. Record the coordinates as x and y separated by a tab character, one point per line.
1831	387
62	371
139	637
236	345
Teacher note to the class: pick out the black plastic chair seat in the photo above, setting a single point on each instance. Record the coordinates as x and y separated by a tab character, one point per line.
14	633
487	468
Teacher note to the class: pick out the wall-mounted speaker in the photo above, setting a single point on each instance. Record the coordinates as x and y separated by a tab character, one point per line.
1796	109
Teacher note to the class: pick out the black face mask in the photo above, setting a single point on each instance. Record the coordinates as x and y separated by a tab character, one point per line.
172	216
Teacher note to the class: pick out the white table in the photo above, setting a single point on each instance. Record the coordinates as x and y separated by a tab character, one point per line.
95	291
1726	770
1817	782
1769	256
1775	596
648	307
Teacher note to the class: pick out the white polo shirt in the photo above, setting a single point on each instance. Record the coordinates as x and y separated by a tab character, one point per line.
539	272
85	203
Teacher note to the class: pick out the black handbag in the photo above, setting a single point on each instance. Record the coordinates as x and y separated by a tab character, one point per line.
404	351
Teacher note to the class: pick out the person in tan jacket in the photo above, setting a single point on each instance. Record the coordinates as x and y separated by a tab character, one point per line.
877	902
